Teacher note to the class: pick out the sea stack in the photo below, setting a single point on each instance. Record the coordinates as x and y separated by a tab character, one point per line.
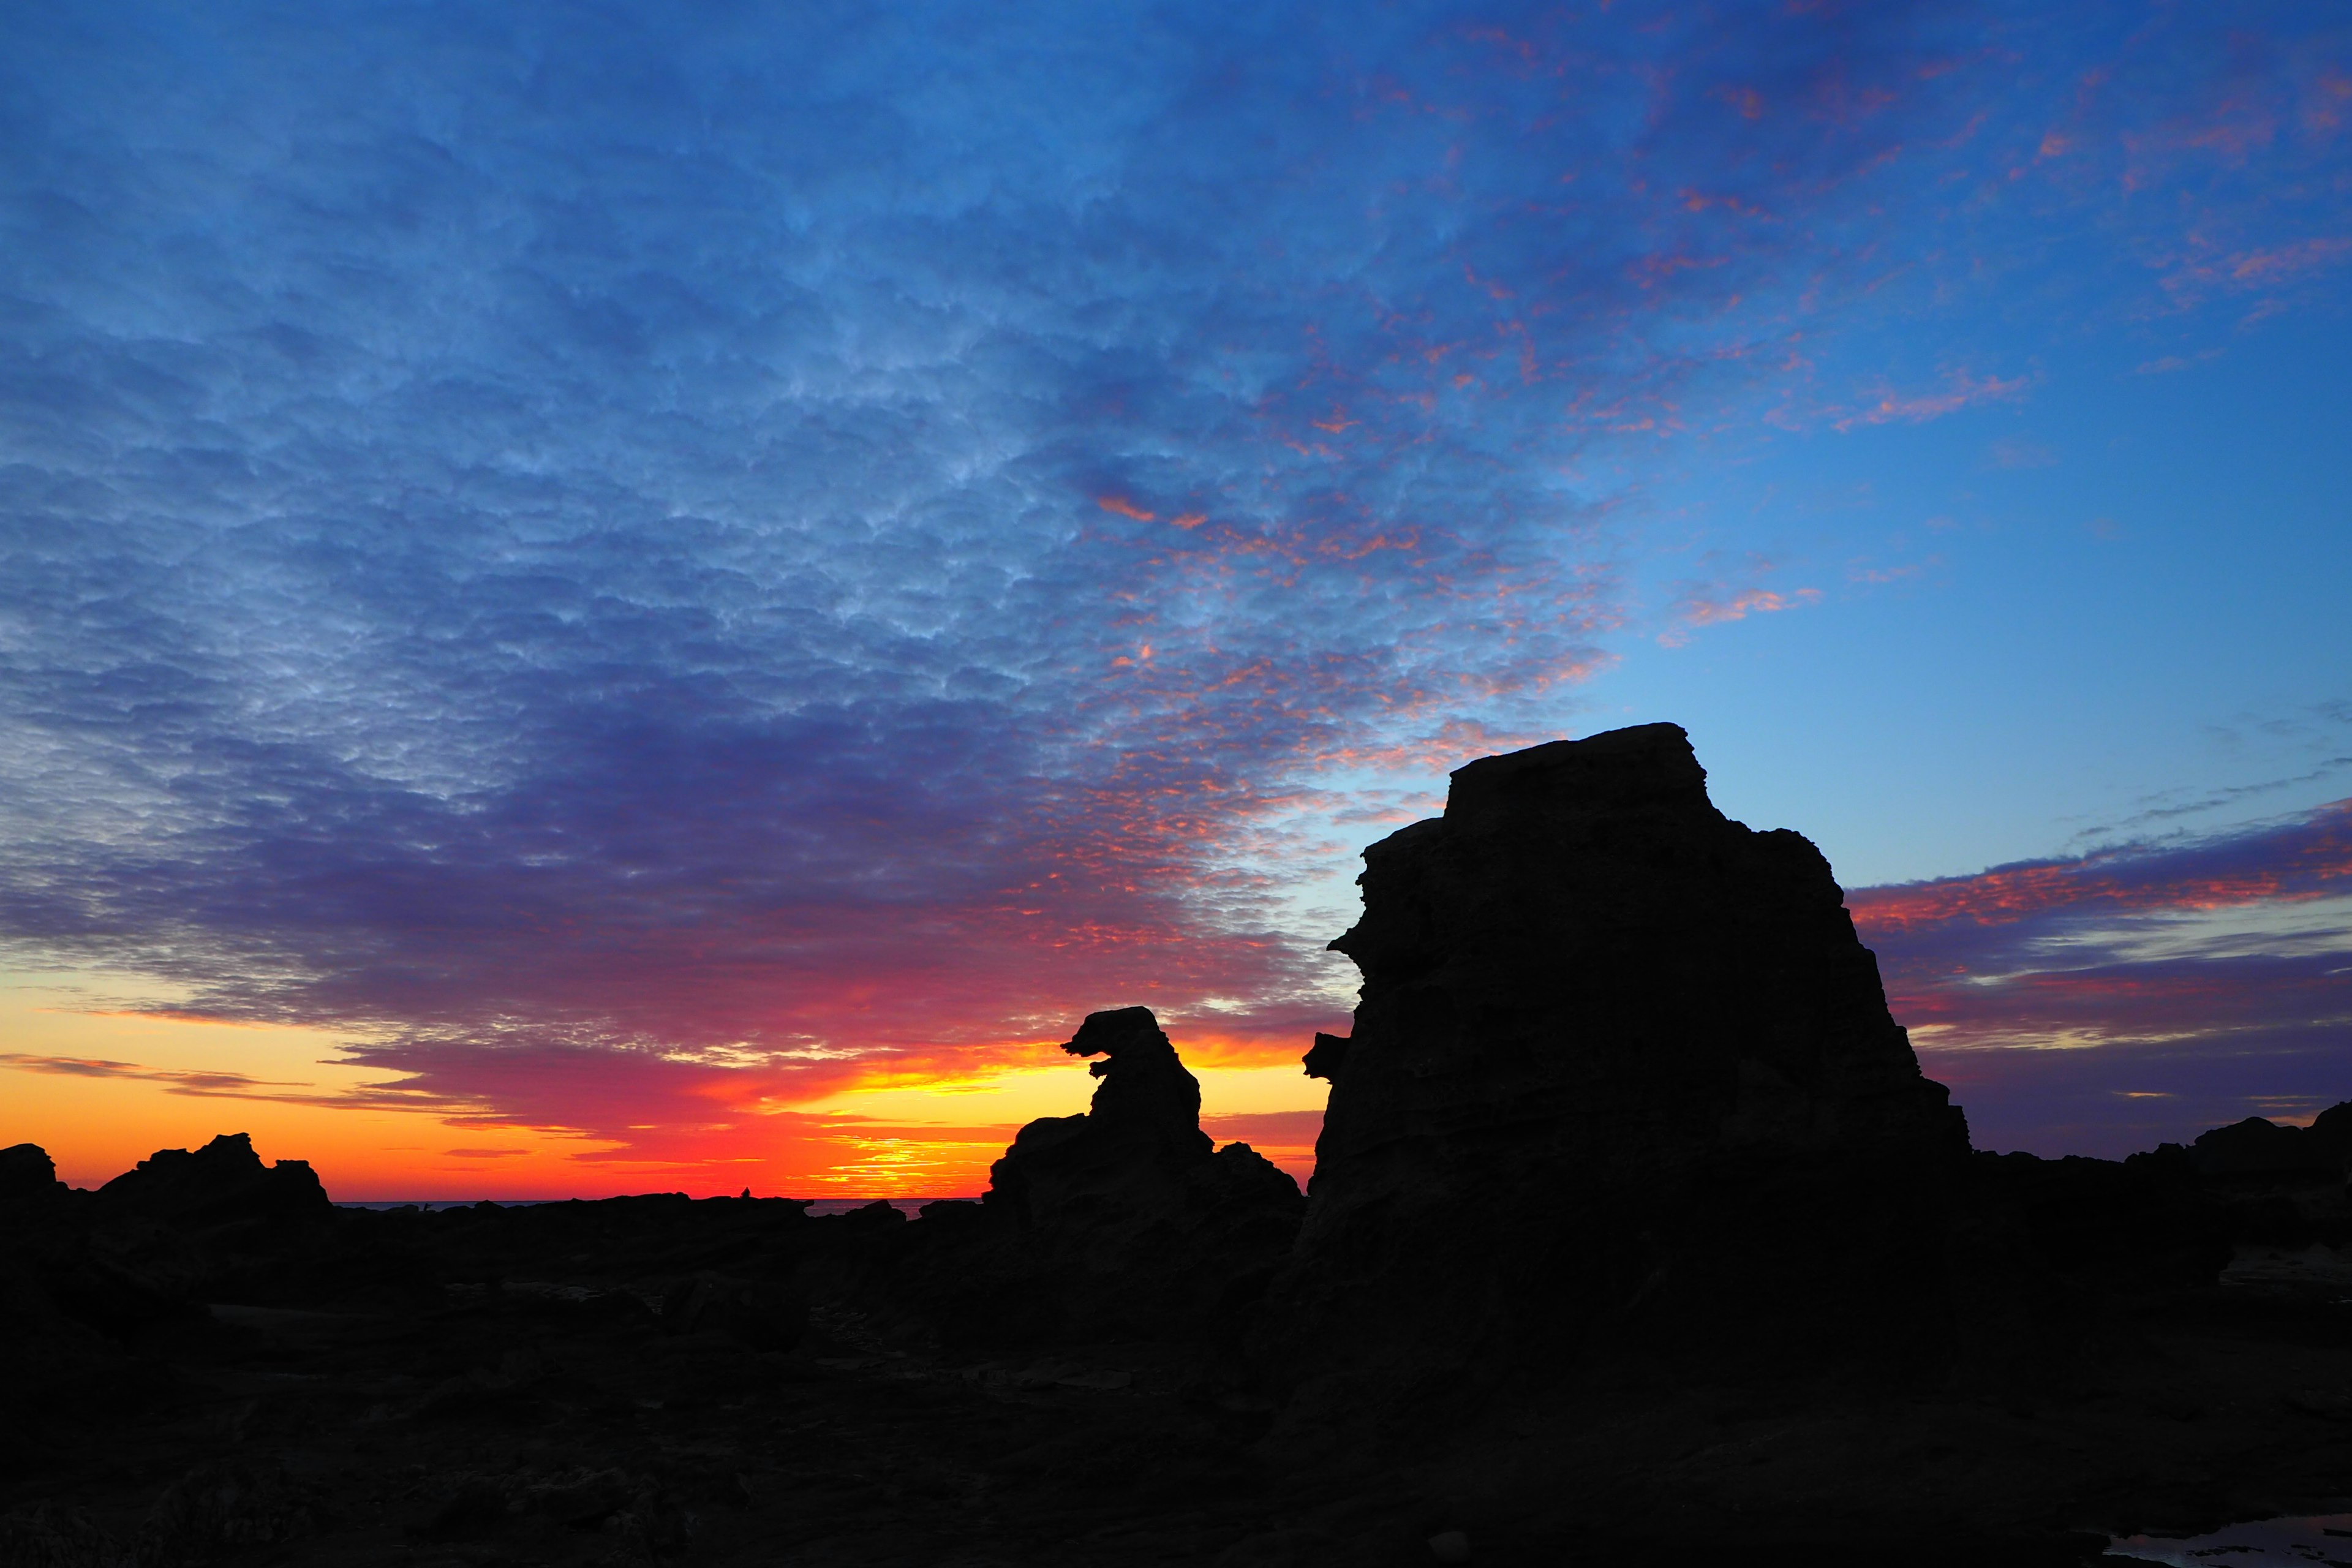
1622	1090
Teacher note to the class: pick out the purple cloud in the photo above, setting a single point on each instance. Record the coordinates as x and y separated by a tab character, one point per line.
2093	1004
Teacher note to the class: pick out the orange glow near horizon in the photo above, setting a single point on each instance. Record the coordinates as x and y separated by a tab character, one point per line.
104	1088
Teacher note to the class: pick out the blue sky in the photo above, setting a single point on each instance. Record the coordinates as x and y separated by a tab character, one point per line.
787	550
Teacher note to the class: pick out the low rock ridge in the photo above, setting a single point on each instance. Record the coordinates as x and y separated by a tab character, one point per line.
224	1183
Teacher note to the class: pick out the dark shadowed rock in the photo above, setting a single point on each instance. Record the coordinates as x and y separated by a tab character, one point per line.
2256	1147
2098	1226
1127	1153
761	1314
1326	1056
1125	1220
1622	1075
211	1224
2332	1130
223	1182
27	1176
2279	1184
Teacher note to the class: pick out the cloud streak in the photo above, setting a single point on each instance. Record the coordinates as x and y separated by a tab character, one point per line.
196	1081
2089	1004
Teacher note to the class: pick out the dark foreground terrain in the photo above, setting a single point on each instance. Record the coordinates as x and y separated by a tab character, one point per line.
531	1386
1636	1237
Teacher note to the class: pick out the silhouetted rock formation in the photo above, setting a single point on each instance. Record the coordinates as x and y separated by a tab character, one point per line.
2275	1184
1127	1153
2051	1255
1127	1219
27	1176
1622	1073
2256	1147
223	1182
636	1377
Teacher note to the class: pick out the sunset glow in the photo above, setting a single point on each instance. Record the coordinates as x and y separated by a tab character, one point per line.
666	605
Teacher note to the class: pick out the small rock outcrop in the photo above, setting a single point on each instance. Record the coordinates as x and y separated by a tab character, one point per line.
1129	1151
1622	1080
27	1176
2257	1147
224	1183
1125	1220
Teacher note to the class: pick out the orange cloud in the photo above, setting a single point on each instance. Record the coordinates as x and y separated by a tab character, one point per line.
2261	266
1964	391
1706	605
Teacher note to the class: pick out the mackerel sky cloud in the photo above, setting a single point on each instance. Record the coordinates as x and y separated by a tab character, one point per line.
641	570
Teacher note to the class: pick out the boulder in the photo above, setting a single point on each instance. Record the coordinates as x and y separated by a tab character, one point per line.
1622	1082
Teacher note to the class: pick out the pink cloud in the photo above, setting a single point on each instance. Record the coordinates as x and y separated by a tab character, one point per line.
1961	390
1715	604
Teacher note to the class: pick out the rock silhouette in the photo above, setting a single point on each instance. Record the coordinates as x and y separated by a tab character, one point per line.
1129	1151
2278	1184
1124	1219
224	1183
2258	1147
27	1176
1635	1234
1622	1075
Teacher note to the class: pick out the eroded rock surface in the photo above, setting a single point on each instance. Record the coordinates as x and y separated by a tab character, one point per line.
1622	1077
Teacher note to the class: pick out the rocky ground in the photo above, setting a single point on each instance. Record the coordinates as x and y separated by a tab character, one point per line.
571	1412
530	1422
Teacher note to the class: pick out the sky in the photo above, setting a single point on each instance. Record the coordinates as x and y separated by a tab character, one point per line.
618	598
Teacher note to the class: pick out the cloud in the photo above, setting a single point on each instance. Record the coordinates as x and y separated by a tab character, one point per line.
1880	576
643	571
2211	975
209	1084
2168	363
2306	857
1731	594
1961	389
2252	269
2172	805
